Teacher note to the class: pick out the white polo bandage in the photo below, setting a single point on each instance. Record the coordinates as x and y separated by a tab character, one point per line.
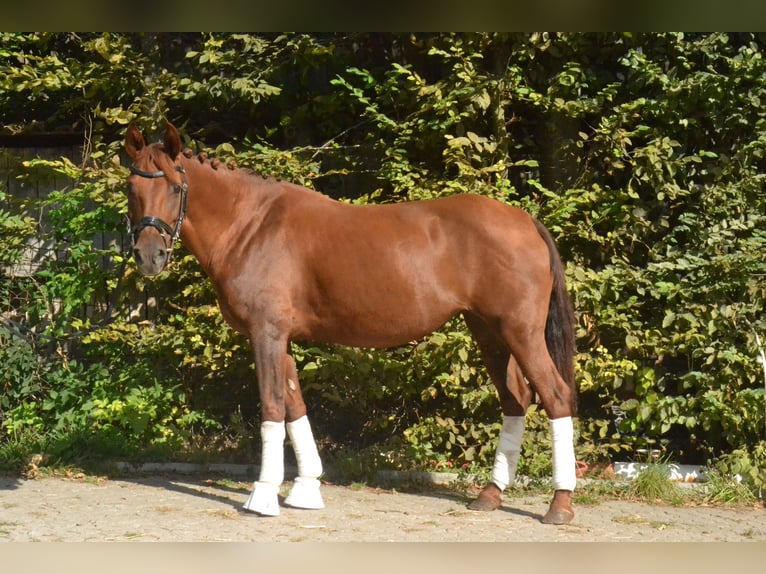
563	457
508	451
304	445
264	498
272	452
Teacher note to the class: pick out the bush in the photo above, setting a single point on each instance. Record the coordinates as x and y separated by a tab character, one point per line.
643	153
747	464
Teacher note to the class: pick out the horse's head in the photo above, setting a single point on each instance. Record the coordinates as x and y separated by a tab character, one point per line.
156	198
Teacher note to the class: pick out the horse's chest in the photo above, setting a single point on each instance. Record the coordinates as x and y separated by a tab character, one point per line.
248	305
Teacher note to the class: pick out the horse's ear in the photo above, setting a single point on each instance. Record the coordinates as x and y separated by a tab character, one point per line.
172	141
134	141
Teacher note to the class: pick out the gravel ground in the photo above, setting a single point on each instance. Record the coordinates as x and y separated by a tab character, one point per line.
195	509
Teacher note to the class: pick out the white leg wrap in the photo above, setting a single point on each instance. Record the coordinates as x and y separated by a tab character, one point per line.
302	439
508	451
562	437
305	492
264	498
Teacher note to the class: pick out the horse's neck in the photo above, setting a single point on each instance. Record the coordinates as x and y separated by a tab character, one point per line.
215	215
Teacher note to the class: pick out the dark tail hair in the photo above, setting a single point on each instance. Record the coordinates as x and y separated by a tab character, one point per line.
559	328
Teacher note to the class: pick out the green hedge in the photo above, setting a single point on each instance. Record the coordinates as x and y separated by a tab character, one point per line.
643	153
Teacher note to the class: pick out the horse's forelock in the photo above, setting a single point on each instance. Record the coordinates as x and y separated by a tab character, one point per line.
156	152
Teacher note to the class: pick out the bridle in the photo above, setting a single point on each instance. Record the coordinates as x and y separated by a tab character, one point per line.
161	226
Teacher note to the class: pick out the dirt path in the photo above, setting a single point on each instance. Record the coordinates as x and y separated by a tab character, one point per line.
172	508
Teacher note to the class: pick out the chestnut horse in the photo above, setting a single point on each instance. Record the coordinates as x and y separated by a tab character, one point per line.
289	263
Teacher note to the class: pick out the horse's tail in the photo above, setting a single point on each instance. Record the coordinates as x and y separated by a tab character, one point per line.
559	328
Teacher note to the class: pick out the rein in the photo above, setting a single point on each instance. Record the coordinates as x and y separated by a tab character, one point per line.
161	226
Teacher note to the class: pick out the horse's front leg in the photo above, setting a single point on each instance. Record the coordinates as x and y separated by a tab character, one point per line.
270	365
305	491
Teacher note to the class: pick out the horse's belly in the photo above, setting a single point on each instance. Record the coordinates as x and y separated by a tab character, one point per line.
379	326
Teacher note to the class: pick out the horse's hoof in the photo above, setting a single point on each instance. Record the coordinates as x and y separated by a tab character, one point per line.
264	499
558	516
488	499
305	494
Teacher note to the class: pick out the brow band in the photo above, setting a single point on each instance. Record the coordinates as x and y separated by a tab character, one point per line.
149	174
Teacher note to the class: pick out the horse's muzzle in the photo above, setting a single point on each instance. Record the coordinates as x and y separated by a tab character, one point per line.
151	257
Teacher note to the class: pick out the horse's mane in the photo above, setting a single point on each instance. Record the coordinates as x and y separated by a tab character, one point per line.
230	168
156	152
220	166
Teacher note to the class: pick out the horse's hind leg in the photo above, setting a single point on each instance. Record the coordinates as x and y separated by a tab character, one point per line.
556	398
305	491
515	396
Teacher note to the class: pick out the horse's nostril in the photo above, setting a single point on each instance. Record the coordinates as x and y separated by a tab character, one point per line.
137	255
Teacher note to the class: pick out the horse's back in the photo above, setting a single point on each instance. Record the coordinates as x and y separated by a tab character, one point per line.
397	222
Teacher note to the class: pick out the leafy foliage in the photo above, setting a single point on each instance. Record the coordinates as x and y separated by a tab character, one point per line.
643	153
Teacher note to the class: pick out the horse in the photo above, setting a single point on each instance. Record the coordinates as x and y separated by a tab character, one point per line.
291	264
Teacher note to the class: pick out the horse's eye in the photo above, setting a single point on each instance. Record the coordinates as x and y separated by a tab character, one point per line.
176	188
